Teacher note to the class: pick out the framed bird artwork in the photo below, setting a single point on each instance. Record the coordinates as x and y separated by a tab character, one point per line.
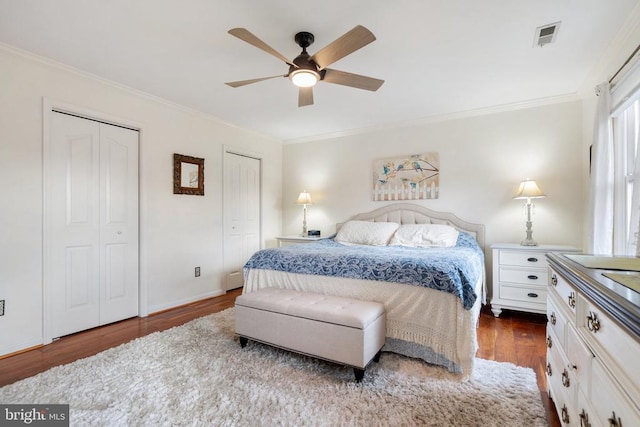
412	177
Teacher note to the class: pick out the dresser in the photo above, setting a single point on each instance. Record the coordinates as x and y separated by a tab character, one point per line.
593	345
520	277
294	240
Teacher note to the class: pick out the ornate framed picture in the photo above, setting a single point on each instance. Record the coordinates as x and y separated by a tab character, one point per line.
188	175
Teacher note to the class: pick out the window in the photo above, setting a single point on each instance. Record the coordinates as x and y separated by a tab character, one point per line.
626	125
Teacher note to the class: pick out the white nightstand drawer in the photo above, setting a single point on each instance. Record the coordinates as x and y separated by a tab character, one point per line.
523	258
531	294
524	276
521	277
295	240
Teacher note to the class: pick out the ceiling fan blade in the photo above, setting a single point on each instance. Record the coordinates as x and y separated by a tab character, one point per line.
305	96
248	82
351	41
352	80
247	36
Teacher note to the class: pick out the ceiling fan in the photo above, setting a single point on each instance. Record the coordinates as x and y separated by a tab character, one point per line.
306	70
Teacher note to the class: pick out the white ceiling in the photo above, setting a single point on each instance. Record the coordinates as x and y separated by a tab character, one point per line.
437	57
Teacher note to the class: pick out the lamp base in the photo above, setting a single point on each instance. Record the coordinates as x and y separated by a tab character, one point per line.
529	240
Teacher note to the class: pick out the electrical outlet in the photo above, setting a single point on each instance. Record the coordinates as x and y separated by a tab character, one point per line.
1	307
197	271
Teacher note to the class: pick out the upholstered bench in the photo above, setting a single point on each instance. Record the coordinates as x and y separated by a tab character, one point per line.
341	330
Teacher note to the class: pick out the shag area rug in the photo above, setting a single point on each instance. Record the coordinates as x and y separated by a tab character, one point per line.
197	374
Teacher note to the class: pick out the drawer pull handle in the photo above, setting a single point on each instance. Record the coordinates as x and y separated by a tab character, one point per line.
593	324
554	280
615	421
532	277
584	419
532	259
549	342
532	295
549	371
553	318
565	414
565	378
572	300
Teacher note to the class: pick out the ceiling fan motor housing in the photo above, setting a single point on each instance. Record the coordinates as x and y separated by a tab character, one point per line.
304	39
303	62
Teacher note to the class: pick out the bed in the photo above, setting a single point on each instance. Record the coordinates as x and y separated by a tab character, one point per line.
437	324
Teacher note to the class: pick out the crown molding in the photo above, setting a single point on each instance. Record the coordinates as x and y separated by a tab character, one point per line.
119	86
440	118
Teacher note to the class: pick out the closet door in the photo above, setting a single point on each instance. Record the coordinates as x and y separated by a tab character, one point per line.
118	223
93	224
241	215
74	224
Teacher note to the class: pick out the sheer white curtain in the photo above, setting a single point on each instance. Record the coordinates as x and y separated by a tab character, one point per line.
600	213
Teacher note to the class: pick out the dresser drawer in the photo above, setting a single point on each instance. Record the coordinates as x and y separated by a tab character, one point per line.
580	358
557	321
561	386
618	351
608	399
586	414
532	294
564	293
525	276
523	258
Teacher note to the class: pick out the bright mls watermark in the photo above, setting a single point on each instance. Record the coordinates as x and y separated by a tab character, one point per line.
34	415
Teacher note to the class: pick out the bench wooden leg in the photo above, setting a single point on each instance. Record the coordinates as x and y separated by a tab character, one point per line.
243	342
376	358
359	373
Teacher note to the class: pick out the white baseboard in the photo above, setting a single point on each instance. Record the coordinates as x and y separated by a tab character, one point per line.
156	308
19	347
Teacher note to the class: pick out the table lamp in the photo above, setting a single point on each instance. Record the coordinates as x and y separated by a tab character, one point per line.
529	190
304	199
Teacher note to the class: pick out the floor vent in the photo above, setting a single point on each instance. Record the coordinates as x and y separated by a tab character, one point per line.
546	34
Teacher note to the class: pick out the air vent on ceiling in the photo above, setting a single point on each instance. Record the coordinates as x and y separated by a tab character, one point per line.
546	34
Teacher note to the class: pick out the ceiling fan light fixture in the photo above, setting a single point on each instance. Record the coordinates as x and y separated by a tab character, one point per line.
304	77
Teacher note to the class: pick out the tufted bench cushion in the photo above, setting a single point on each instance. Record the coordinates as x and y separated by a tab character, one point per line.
342	330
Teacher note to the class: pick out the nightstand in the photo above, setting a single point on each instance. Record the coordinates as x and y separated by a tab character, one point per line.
520	275
294	240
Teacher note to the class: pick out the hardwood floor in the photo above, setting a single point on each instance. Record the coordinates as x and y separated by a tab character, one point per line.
515	337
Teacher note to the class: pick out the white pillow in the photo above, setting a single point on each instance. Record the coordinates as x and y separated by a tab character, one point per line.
366	233
425	236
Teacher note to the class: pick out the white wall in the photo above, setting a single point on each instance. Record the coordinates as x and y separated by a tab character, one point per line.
178	232
482	161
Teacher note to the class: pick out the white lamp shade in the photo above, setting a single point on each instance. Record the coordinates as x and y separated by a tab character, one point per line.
529	190
304	199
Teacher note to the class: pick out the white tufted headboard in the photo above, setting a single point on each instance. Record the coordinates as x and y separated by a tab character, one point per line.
407	213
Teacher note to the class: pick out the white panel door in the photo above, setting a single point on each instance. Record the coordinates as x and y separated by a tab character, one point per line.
118	223
241	215
75	218
93	222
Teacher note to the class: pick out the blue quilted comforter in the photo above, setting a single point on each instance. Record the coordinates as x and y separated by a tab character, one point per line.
454	270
